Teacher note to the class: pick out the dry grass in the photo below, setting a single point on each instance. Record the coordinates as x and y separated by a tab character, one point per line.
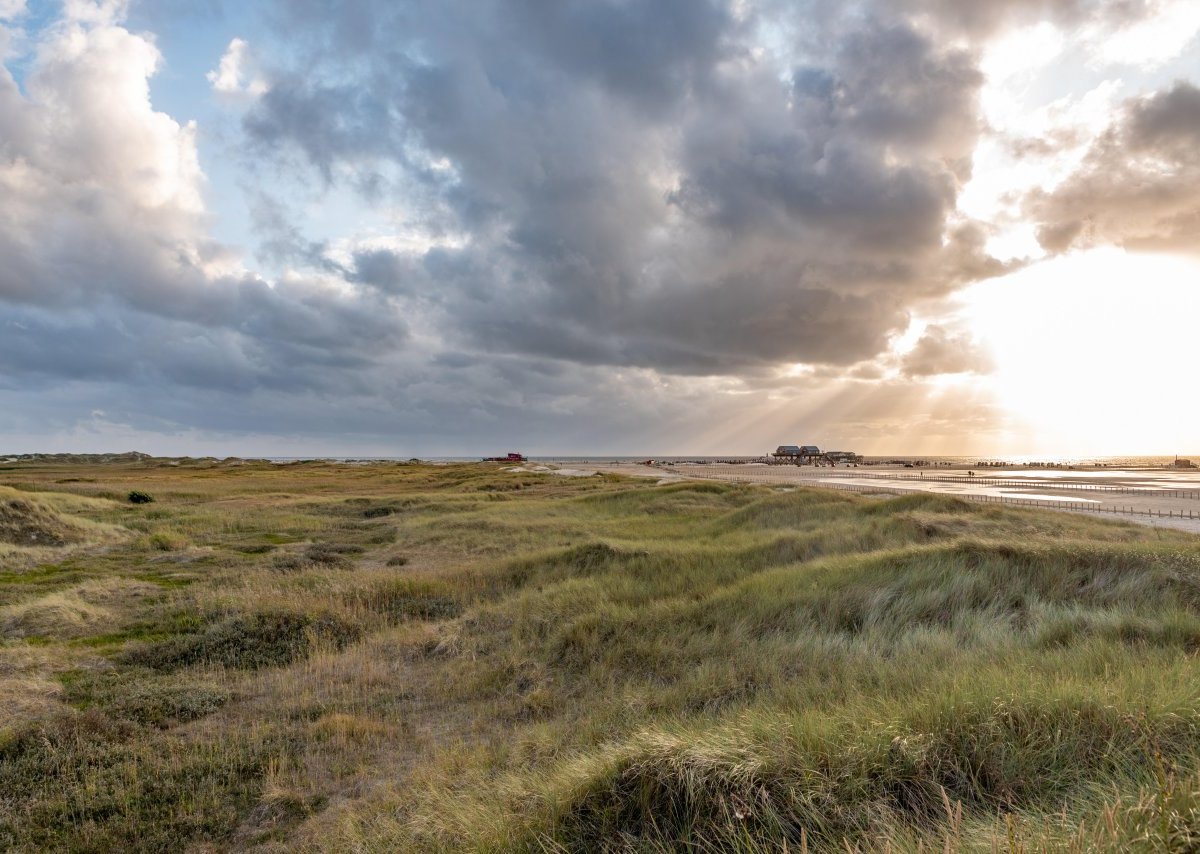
413	657
60	614
35	527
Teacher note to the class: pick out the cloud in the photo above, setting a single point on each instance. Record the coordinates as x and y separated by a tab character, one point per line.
234	75
943	351
1161	31
640	185
108	270
12	9
1138	185
622	215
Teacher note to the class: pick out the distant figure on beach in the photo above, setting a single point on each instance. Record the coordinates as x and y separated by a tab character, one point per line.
970	473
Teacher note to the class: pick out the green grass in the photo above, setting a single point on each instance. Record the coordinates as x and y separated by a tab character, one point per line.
447	658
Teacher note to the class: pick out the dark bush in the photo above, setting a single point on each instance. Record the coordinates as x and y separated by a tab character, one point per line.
249	641
332	554
159	705
381	537
37	747
127	695
289	562
136	496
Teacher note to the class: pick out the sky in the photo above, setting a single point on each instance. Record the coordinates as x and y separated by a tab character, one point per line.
455	227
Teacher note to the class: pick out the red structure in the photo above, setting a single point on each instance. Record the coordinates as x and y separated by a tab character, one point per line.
511	458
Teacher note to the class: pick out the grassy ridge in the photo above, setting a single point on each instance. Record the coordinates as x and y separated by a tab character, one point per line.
410	657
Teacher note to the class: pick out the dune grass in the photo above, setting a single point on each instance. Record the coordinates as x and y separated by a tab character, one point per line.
446	658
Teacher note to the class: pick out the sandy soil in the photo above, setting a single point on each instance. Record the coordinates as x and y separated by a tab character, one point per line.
562	472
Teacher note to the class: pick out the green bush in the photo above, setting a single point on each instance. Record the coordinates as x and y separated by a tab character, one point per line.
248	641
127	695
136	496
159	705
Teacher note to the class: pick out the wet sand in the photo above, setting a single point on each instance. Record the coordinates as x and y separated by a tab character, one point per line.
1156	497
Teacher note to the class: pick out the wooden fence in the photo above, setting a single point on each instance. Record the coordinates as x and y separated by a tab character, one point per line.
1026	484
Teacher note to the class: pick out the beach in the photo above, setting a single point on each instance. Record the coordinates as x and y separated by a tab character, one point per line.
1150	496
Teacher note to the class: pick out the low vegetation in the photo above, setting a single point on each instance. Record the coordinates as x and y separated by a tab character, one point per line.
443	658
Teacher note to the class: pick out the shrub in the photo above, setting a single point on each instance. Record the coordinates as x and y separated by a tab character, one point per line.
332	554
136	496
159	705
126	695
249	641
382	537
289	562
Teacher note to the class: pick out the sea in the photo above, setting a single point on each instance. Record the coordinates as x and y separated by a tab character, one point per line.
1116	461
1131	461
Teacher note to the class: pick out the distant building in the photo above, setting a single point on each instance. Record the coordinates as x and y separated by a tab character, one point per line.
1183	464
797	453
842	457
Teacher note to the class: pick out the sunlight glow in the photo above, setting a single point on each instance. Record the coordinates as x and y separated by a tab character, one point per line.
1094	351
1022	50
1152	40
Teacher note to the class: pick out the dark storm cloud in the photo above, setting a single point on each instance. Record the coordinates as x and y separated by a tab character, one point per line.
1139	184
328	122
641	187
650	54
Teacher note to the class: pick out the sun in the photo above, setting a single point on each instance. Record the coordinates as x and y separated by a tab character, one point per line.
1095	352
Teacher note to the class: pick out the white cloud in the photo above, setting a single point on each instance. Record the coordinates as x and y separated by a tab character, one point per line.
109	270
1152	40
1022	50
227	77
89	151
1032	146
92	165
95	12
10	9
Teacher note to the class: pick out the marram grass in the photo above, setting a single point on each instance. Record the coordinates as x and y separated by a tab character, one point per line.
403	657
